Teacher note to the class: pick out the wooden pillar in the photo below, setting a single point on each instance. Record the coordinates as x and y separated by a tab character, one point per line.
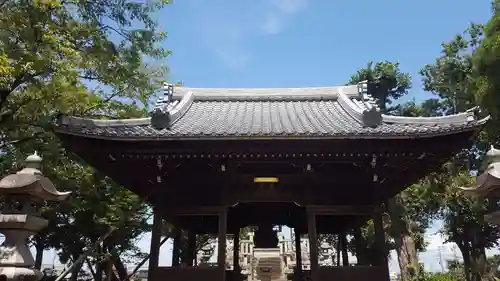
176	251
236	252
313	243
380	240
345	254
338	249
298	252
154	249
191	256
221	250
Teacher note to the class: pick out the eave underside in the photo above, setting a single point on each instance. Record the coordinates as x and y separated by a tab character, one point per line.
311	172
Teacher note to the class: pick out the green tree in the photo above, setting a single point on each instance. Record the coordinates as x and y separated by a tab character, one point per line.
486	61
51	51
462	77
84	58
386	82
464	225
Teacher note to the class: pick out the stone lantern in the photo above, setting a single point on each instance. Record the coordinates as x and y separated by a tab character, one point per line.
325	253
487	185
23	193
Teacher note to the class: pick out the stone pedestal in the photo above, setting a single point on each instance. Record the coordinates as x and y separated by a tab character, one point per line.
16	261
24	193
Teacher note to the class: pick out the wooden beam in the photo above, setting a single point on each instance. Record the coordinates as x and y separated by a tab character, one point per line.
342	210
193	210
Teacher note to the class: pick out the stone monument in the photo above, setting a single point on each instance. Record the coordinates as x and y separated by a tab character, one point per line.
23	194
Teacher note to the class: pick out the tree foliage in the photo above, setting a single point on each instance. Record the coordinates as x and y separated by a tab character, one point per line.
463	76
386	82
74	57
83	58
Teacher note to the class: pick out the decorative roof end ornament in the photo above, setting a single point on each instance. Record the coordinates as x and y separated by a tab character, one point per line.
473	113
365	97
371	113
160	117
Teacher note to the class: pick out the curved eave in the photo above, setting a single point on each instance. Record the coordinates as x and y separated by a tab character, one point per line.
70	125
244	114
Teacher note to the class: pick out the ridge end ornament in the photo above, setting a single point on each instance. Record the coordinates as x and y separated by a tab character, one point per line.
160	116
371	115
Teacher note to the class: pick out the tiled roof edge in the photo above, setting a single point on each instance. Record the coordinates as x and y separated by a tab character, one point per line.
93	123
265	94
454	119
164	115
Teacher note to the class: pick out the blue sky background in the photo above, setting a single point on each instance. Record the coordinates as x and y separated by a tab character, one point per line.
301	43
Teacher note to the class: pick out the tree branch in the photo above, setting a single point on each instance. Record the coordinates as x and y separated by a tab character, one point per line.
5	144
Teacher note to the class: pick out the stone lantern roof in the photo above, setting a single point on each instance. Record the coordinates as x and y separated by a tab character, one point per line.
489	180
30	181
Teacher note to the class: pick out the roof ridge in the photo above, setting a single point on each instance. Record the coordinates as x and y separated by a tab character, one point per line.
263	94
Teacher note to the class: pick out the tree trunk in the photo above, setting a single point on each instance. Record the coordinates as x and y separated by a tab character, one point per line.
120	269
39	246
464	249
99	266
481	270
91	268
405	245
361	247
76	270
407	256
109	247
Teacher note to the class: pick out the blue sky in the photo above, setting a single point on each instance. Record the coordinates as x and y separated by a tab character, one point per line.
300	43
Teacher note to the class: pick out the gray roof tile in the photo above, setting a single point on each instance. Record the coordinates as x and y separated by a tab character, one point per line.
311	113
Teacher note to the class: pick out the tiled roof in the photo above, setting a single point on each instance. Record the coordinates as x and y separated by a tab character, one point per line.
329	112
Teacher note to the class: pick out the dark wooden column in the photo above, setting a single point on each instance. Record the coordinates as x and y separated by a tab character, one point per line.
338	250
298	252
221	250
313	243
380	240
236	252
154	249
176	251
343	244
191	256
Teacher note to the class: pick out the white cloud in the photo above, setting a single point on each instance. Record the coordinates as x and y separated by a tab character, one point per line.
225	28
279	12
225	41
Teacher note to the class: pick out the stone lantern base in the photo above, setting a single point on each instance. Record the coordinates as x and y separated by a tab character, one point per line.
16	261
20	274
